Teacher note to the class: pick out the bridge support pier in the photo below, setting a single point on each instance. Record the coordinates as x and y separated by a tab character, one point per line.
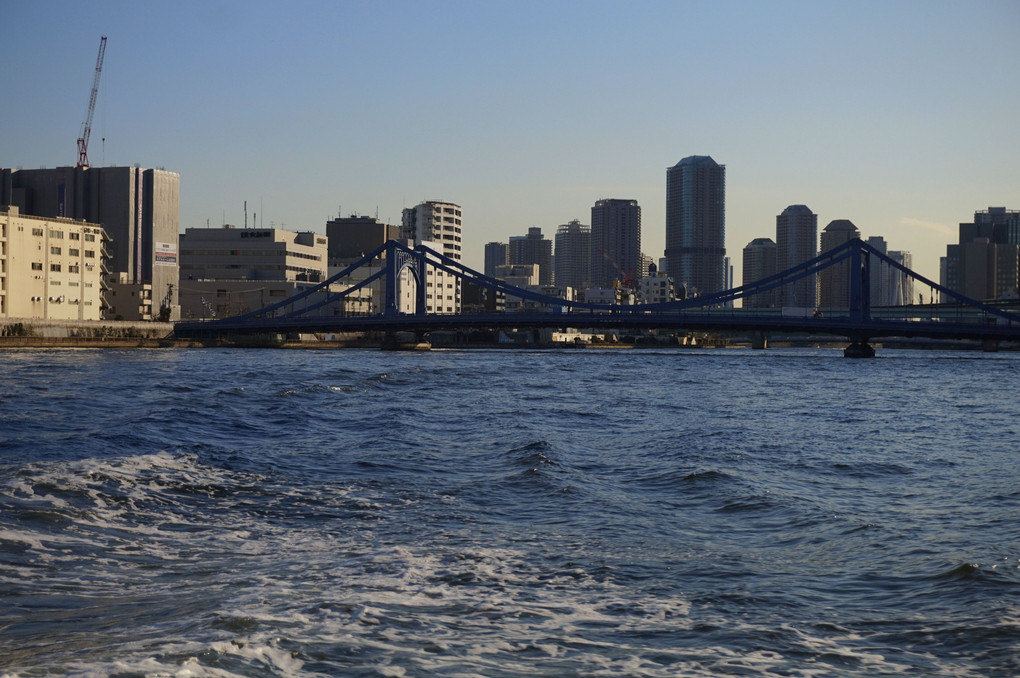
405	341
759	341
990	345
859	348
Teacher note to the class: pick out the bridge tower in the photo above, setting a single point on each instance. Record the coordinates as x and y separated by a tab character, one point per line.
398	259
860	302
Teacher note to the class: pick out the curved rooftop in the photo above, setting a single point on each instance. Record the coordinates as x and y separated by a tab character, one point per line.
797	209
840	225
697	161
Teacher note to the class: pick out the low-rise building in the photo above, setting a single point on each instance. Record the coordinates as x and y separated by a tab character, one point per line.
229	271
656	289
50	267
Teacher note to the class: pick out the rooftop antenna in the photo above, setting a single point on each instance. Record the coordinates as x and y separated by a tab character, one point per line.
246	214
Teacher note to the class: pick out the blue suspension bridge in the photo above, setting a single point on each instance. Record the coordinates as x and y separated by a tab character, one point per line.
397	275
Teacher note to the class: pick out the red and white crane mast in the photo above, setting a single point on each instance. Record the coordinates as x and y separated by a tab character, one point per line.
86	127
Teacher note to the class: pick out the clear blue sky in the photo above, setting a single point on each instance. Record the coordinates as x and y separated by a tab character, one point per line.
902	116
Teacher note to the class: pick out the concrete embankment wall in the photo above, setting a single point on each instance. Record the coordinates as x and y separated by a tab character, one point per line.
33	332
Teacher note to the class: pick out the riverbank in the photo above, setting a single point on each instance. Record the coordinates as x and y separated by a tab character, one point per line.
36	333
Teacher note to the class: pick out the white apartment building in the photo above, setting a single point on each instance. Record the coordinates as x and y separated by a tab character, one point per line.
436	225
655	289
50	268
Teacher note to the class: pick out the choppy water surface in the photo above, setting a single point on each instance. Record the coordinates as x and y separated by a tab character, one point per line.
640	513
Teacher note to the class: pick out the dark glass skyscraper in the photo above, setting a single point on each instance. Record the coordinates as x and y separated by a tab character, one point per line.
615	241
696	224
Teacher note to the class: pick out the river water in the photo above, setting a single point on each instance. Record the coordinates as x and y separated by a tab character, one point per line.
503	513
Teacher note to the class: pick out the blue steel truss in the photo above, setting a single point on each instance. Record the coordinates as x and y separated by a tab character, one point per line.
304	311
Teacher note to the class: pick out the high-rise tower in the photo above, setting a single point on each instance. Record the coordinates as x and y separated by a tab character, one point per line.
615	241
759	263
532	248
797	242
696	223
834	281
573	255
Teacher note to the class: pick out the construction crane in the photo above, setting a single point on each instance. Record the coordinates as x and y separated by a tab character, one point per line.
86	127
626	277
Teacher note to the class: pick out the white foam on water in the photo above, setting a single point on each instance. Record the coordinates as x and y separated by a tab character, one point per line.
415	609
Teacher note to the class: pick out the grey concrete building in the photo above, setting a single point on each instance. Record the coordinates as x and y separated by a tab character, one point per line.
533	248
797	242
985	263
615	242
350	238
495	255
139	209
696	224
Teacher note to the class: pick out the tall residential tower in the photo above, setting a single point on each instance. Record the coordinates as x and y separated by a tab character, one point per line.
696	224
615	241
437	225
797	242
834	281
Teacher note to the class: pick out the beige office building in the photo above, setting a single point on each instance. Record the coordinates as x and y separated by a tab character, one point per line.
50	268
229	271
139	210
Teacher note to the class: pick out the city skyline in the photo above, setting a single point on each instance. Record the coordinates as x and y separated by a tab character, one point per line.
868	112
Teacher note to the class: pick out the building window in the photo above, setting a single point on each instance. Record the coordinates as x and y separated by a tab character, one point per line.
74	236
36	266
73	252
59	235
37	231
73	268
54	250
89	237
55	267
90	254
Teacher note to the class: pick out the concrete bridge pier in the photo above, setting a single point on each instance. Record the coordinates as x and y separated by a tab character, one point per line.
859	348
990	345
406	341
759	341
